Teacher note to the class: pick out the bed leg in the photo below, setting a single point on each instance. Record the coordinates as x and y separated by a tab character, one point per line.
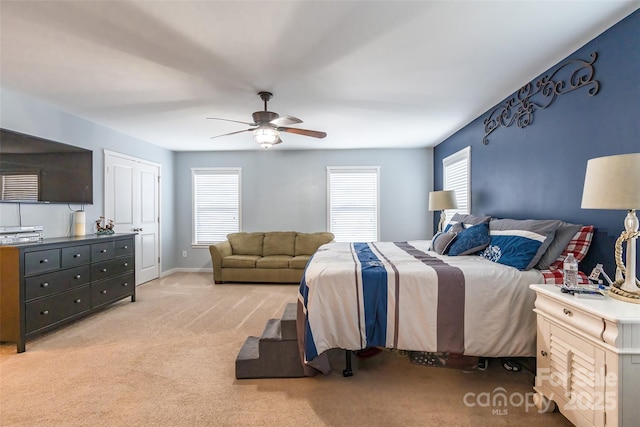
347	372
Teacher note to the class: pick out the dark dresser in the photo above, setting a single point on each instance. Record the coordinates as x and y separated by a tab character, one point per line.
47	284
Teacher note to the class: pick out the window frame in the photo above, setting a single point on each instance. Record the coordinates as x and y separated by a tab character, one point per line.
237	171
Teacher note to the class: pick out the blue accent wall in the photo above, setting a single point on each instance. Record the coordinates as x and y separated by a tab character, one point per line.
538	171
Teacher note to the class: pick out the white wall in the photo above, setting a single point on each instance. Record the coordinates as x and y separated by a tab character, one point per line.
286	190
27	115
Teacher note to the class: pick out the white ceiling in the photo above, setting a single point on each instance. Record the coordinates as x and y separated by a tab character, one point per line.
371	74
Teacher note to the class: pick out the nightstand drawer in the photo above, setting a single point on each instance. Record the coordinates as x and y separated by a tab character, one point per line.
564	313
58	281
41	261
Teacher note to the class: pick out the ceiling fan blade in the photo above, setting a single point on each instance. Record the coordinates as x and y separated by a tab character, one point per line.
229	120
231	133
305	132
285	120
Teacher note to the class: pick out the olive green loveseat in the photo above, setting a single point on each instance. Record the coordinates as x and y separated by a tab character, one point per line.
265	257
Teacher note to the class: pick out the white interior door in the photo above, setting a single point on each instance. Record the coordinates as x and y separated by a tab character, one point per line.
131	200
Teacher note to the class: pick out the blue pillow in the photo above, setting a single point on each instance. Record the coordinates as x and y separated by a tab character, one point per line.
519	243
470	240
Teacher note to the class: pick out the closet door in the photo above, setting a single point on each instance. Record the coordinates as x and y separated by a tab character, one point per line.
131	200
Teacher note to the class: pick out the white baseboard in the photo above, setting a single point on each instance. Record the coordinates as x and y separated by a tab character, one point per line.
186	270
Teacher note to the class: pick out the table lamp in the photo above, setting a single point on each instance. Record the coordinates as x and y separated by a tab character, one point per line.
441	200
613	182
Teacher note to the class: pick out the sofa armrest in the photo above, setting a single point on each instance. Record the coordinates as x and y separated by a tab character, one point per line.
219	251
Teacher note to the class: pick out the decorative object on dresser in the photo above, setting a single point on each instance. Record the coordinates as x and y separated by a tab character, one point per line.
588	357
613	182
45	285
440	201
104	227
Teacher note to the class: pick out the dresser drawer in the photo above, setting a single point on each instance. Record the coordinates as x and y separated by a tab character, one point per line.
58	281
114	267
123	247
47	311
111	289
102	251
41	261
76	255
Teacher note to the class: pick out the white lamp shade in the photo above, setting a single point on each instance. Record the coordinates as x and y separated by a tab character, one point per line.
612	182
441	200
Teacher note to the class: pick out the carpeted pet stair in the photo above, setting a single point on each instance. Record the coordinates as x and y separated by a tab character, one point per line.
275	353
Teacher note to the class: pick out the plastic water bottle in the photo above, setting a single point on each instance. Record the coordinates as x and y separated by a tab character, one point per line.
570	268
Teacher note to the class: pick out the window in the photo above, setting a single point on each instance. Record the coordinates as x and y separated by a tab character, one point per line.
216	204
456	175
353	203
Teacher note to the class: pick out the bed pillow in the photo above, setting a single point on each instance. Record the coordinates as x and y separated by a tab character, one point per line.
519	243
578	246
467	220
470	240
564	234
441	242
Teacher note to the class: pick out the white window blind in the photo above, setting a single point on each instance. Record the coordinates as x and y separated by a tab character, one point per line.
353	203
21	187
456	171
216	204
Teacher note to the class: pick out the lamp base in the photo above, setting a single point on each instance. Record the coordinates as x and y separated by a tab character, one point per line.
618	293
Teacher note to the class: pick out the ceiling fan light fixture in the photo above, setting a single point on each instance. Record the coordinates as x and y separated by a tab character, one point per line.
266	136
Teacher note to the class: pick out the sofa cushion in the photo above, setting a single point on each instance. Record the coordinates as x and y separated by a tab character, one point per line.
299	262
246	243
274	261
279	243
240	261
308	243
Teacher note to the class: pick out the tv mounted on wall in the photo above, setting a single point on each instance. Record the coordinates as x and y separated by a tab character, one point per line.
38	170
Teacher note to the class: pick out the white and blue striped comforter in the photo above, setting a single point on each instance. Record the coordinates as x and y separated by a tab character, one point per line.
399	295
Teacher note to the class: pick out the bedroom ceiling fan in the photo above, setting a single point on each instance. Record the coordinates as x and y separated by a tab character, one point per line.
268	125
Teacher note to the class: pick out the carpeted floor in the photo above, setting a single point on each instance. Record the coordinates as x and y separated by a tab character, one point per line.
168	360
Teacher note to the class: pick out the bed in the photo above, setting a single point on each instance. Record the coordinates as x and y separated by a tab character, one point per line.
405	296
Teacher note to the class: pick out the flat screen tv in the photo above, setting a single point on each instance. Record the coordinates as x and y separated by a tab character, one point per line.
38	170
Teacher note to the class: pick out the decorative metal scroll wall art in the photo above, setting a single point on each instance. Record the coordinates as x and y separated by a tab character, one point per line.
520	107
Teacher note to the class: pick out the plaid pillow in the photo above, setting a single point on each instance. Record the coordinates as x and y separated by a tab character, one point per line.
555	277
578	245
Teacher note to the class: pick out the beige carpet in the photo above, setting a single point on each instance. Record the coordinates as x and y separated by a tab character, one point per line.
168	360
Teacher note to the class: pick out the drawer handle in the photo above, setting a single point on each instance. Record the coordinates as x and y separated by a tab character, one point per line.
125	247
44	285
44	312
44	261
77	276
76	256
125	284
104	291
104	270
78	301
104	251
543	353
567	312
126	264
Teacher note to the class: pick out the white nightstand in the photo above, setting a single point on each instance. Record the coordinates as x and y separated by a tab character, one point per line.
588	357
